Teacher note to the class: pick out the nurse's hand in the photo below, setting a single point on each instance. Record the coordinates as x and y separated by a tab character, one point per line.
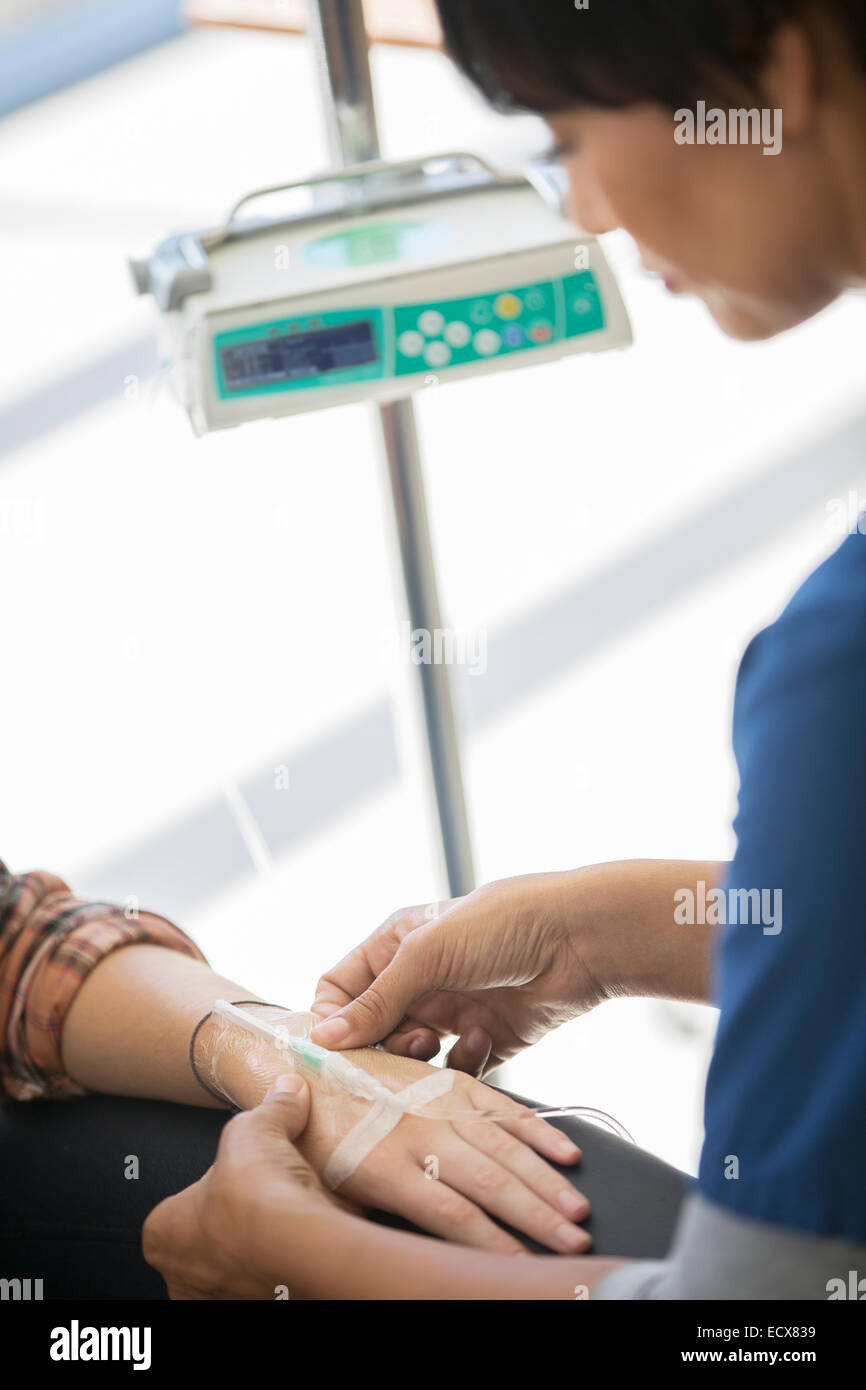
212	1241
259	1226
498	968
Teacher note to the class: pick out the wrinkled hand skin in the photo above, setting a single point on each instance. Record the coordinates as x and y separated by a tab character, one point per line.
497	969
480	1167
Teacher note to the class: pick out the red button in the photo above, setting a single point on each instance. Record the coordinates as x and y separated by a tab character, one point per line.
541	332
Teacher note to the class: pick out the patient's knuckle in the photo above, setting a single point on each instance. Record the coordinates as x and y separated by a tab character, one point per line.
498	1141
491	1178
454	1210
462	1082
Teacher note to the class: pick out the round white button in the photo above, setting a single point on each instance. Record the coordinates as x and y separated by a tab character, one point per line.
411	344
458	334
431	322
487	342
437	354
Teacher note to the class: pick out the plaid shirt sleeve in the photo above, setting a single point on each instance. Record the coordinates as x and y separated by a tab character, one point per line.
49	943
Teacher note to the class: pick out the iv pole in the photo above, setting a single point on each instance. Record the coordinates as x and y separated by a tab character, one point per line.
341	39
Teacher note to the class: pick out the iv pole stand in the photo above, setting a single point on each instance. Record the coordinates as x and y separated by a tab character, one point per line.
341	38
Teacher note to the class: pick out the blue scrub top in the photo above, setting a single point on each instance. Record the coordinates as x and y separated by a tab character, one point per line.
785	1109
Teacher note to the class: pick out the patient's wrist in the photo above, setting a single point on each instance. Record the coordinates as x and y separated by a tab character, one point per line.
234	1064
240	1067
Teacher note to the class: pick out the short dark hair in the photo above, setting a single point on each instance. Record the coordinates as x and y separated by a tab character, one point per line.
548	55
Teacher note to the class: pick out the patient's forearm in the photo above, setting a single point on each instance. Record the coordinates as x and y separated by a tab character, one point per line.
128	1030
622	916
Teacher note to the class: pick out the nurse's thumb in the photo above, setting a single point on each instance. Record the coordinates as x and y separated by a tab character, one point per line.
277	1123
264	1138
376	1012
286	1107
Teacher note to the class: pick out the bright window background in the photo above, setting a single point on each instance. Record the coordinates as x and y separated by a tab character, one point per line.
182	618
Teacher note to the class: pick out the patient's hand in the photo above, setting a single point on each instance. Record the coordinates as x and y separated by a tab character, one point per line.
445	1176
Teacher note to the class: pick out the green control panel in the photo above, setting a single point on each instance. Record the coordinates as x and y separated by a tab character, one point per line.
458	332
365	345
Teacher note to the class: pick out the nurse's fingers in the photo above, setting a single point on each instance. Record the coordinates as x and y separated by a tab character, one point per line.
471	1053
413	1040
417	968
354	974
349	977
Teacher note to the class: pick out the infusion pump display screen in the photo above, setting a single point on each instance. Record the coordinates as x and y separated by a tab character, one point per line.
274	361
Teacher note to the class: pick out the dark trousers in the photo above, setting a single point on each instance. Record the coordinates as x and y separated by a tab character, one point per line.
70	1217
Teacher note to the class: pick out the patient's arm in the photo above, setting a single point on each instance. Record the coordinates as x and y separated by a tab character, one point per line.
128	1032
50	943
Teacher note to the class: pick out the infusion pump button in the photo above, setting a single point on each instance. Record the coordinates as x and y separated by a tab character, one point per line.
411	344
431	323
458	334
487	342
508	306
437	354
540	331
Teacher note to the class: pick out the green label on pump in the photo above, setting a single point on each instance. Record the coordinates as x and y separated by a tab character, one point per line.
377	242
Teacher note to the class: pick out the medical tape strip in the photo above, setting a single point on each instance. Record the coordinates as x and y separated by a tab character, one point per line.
380	1119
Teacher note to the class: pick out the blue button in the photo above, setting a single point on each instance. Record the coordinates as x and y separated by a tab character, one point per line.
513	335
